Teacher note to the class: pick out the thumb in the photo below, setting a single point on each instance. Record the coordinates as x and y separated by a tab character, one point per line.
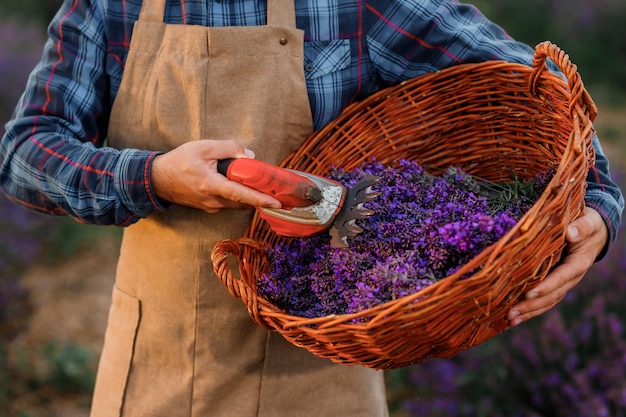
247	153
239	151
573	233
583	227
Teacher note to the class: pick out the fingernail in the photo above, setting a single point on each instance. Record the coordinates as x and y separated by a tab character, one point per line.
572	232
248	152
516	321
513	314
532	294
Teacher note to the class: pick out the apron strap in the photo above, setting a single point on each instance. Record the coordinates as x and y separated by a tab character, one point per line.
279	12
153	11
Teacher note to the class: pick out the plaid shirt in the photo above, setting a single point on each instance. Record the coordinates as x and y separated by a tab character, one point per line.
52	158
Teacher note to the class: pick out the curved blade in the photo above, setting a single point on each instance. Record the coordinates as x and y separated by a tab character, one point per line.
345	222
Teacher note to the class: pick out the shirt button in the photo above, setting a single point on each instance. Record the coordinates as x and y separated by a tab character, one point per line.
283	41
308	67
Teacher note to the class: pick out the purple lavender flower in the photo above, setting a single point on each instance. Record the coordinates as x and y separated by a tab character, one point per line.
423	229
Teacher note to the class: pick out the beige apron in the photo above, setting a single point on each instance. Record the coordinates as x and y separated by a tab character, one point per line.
177	344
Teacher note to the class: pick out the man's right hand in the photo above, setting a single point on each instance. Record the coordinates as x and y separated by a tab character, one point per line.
188	176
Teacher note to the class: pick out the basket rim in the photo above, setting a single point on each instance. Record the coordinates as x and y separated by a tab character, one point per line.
485	256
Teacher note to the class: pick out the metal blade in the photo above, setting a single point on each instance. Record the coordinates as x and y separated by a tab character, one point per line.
345	225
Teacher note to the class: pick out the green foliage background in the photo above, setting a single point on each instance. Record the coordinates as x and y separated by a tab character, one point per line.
590	31
33	11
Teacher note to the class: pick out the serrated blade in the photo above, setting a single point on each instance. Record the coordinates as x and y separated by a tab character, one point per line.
344	225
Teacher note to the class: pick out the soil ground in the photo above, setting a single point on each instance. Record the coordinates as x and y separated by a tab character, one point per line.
70	306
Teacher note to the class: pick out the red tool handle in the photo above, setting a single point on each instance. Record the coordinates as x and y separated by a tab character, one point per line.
289	188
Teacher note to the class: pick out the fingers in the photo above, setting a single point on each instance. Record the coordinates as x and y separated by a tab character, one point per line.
550	291
187	175
585	239
236	195
589	226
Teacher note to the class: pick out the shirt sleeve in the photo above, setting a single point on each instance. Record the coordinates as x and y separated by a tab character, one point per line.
52	157
604	195
407	38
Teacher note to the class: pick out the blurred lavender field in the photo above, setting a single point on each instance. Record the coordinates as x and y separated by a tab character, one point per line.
20	49
20	230
28	239
569	362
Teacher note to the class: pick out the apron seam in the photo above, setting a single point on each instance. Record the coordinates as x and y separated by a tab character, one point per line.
263	370
196	324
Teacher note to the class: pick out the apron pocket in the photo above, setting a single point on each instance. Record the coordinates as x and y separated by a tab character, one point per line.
117	354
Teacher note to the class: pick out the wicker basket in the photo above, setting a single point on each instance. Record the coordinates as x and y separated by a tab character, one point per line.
492	119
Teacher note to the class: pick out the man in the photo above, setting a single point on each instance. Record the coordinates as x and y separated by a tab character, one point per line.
173	87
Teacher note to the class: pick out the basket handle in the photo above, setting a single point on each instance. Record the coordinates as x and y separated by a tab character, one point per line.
236	286
579	95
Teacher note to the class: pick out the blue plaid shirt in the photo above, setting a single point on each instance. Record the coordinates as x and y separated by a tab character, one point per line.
52	158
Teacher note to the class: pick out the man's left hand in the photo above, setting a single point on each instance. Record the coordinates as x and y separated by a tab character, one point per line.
585	238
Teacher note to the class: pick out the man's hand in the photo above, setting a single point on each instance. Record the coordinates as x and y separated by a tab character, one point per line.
585	238
188	176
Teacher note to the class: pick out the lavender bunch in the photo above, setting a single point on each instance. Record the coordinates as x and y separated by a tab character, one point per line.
424	228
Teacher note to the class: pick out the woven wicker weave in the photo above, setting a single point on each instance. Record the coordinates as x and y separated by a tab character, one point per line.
492	119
